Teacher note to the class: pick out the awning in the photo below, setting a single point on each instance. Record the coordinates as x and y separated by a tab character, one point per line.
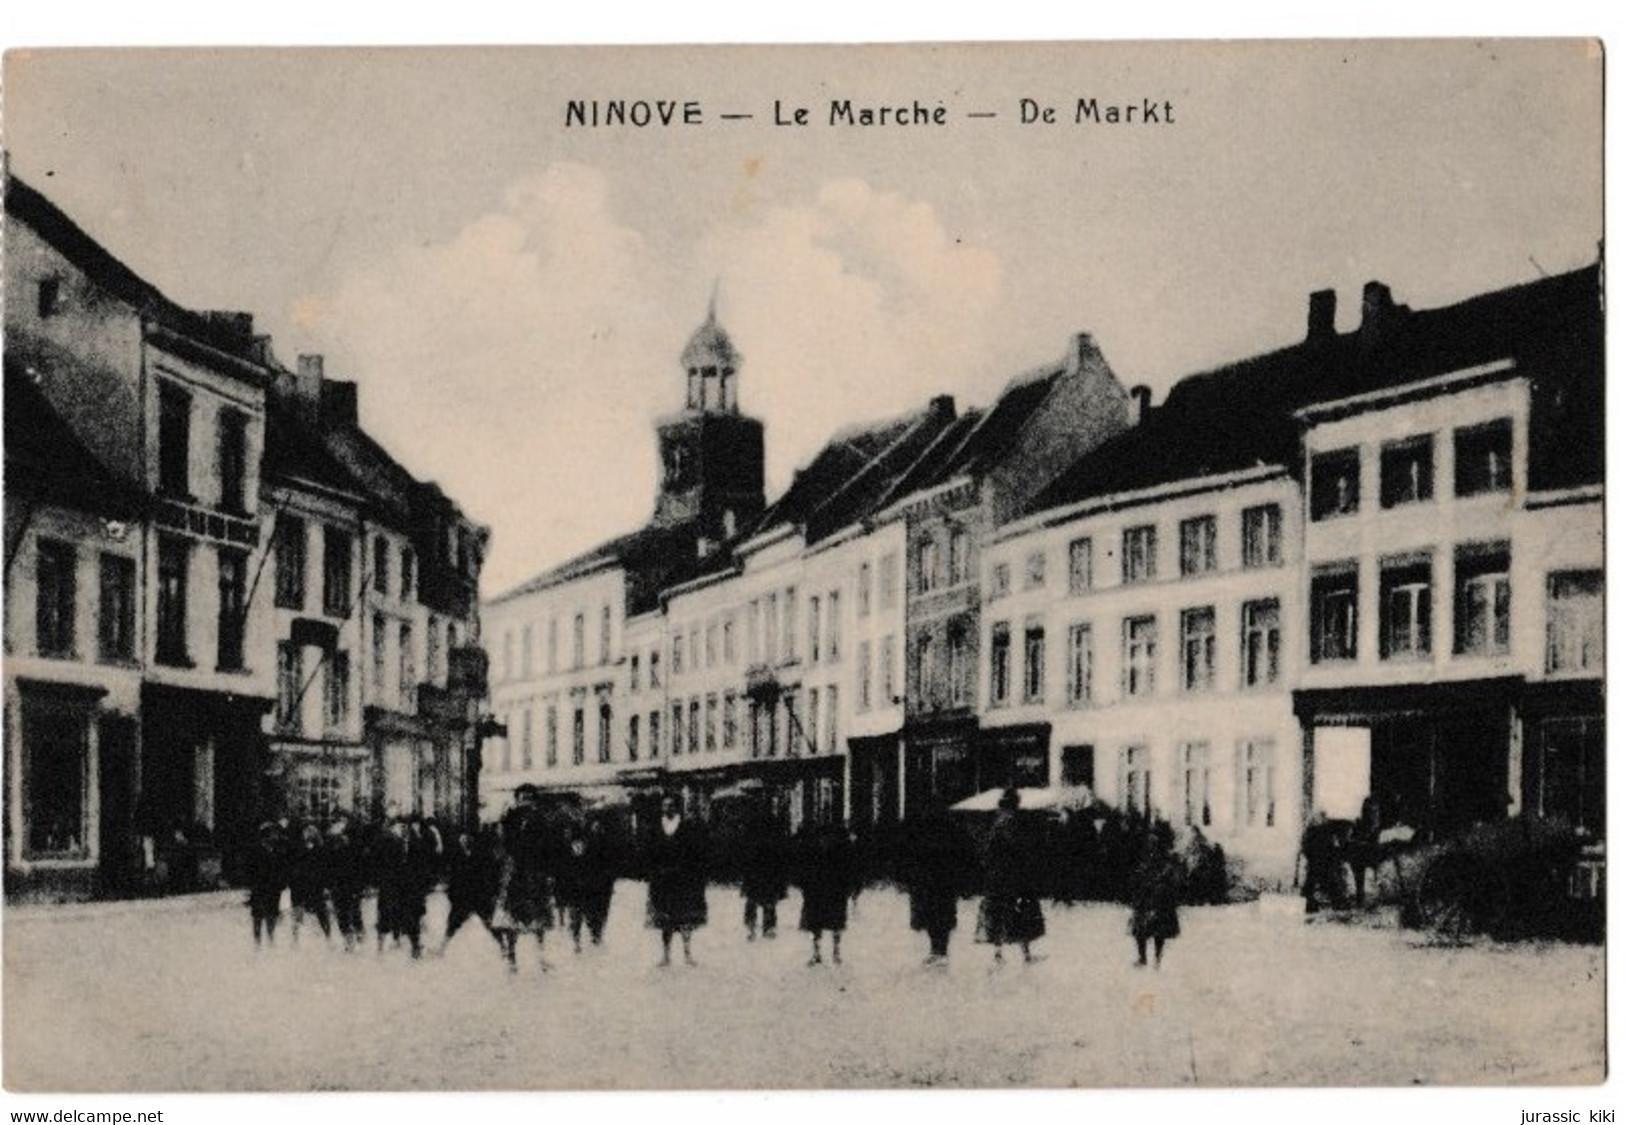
1051	797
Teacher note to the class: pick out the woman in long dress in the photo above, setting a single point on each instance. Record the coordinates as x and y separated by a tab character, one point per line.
827	878
677	875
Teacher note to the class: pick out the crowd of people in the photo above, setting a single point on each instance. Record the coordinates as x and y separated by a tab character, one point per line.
545	868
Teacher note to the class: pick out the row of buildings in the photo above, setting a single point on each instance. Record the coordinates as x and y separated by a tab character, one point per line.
225	601
1368	564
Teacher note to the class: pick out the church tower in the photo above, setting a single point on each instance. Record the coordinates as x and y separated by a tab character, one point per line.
710	454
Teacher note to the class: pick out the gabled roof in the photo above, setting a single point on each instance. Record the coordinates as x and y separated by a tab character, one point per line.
231	333
1241	414
295	452
45	459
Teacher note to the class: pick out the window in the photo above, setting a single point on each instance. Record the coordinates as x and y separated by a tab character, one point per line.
380	652
233	610
380	565
834	626
1080	566
1255	777
865	678
174	557
960	668
56	753
959	569
289	682
999	666
550	747
654	734
552	644
831	732
335	572
711	722
635	673
1032	674
790	623
999	585
925	657
753	632
730	720
1080	665
1198	546
116	619
1261	536
888	671
793	733
526	648
58	600
728	654
1260	642
1334	484
408	569
632	732
1035	570
694	649
290	562
1407	471
409	672
1078	765
49	297
606	730
865	581
814	699
337	696
605	627
1134	779
174	440
1406	590
925	566
1197	646
1196	768
233	453
1483	599
578	735
431	661
1334	601
654	670
694	725
525	739
1139	656
1484	458
770	628
888	581
507	655
1575	628
578	641
814	624
1139	554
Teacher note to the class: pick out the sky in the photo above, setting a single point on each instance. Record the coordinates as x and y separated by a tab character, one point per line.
512	295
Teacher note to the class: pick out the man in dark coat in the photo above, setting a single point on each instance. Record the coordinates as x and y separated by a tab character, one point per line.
309	874
939	856
267	876
677	876
586	881
764	875
403	887
347	871
472	878
1155	889
827	876
525	892
1010	913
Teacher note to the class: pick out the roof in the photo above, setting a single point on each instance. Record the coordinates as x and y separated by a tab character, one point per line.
44	458
1240	415
848	477
231	333
710	346
296	452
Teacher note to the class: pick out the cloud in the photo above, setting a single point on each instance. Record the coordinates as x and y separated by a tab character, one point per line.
523	361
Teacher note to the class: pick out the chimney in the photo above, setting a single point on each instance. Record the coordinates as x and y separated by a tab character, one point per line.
308	383
1322	314
1139	404
1376	303
338	402
943	405
1083	352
